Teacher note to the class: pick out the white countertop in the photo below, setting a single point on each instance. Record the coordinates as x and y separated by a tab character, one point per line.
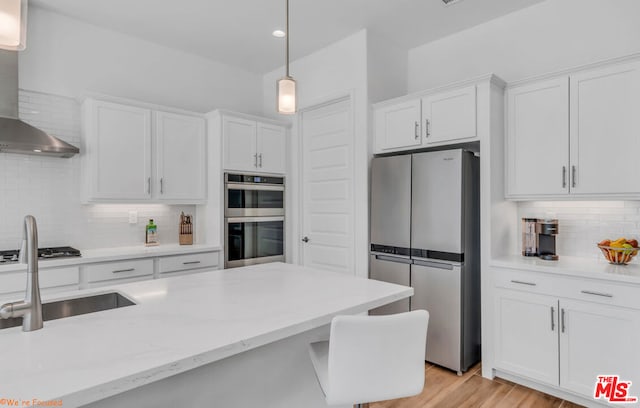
581	267
115	254
178	324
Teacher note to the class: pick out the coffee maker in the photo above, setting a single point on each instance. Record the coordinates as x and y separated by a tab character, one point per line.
547	230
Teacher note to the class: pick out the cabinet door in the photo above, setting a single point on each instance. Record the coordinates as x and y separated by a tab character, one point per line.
272	148
526	333
597	339
239	144
180	147
397	126
538	139
604	130
449	115
119	151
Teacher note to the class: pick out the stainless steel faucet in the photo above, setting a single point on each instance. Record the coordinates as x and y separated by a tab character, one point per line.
30	309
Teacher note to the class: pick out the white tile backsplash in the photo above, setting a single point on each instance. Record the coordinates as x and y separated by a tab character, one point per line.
585	223
49	189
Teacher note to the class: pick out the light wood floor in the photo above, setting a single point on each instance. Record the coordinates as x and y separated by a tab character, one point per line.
445	389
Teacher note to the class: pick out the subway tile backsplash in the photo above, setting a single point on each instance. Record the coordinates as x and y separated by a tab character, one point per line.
585	223
49	189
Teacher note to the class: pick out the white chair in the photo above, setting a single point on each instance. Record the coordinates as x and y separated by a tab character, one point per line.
372	358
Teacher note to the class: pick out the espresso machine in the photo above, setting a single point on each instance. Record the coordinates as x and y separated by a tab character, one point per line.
539	238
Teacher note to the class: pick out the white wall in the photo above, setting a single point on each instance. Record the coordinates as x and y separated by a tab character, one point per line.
387	68
67	57
331	72
49	189
546	37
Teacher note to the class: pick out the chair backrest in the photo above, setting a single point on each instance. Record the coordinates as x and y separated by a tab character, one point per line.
373	358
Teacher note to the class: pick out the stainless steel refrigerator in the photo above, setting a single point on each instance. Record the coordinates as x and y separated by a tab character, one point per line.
425	233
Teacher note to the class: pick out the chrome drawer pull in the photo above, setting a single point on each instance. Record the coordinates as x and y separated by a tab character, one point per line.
124	270
562	317
191	262
524	283
588	292
553	323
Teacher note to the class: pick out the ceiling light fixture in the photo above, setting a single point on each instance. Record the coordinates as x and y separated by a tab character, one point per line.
278	33
286	87
13	24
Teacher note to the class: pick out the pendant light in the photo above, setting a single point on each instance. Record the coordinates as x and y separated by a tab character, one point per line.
13	24
286	87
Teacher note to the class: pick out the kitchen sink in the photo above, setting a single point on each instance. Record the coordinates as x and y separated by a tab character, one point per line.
74	307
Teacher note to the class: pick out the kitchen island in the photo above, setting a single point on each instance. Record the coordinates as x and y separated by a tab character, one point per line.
230	338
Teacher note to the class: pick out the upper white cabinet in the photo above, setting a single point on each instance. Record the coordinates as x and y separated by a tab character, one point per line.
450	116
251	145
181	155
575	135
398	126
426	120
538	138
136	154
117	154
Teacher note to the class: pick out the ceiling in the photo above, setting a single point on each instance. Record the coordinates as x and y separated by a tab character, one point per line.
238	32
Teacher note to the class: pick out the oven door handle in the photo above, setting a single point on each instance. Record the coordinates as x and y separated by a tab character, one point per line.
254	187
252	219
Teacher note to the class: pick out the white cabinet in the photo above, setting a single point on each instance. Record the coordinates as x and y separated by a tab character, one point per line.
181	155
398	126
111	273
450	116
563	332
575	135
538	138
253	146
168	264
128	157
117	154
51	280
427	120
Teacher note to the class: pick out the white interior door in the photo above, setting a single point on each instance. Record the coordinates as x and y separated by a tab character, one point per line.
327	142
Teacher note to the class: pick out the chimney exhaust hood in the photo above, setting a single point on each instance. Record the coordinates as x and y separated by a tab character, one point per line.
17	136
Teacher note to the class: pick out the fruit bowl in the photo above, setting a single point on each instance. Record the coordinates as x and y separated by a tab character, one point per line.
617	255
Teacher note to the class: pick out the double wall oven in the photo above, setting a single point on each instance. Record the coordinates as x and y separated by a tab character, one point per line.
254	219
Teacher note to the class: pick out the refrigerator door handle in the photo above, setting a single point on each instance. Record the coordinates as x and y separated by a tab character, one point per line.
431	264
393	259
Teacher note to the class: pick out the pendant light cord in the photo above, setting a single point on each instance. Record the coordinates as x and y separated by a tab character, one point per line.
287	32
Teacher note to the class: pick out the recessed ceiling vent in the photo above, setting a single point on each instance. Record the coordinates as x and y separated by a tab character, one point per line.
450	2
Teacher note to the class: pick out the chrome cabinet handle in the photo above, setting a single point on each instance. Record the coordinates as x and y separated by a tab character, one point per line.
161	186
524	283
255	160
553	323
588	292
415	131
562	319
191	263
260	157
573	176
564	176
426	122
149	185
305	239
124	270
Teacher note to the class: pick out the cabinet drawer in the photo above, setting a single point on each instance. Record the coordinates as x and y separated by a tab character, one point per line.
185	262
48	278
523	280
118	270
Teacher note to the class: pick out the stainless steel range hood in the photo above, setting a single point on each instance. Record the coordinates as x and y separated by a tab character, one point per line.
17	136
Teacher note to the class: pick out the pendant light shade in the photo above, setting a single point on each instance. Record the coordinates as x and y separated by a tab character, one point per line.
286	87
13	24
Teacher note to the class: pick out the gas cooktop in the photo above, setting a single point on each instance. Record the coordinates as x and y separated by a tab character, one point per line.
11	256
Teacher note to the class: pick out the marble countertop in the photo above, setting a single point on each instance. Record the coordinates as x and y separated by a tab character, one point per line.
115	254
573	266
177	325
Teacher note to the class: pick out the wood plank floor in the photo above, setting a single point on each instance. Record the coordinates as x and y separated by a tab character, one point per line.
445	389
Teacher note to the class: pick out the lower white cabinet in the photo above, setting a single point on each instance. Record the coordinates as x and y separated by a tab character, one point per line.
111	273
51	280
168	264
564	332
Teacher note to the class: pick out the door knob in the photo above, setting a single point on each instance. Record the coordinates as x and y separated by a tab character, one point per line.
305	239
